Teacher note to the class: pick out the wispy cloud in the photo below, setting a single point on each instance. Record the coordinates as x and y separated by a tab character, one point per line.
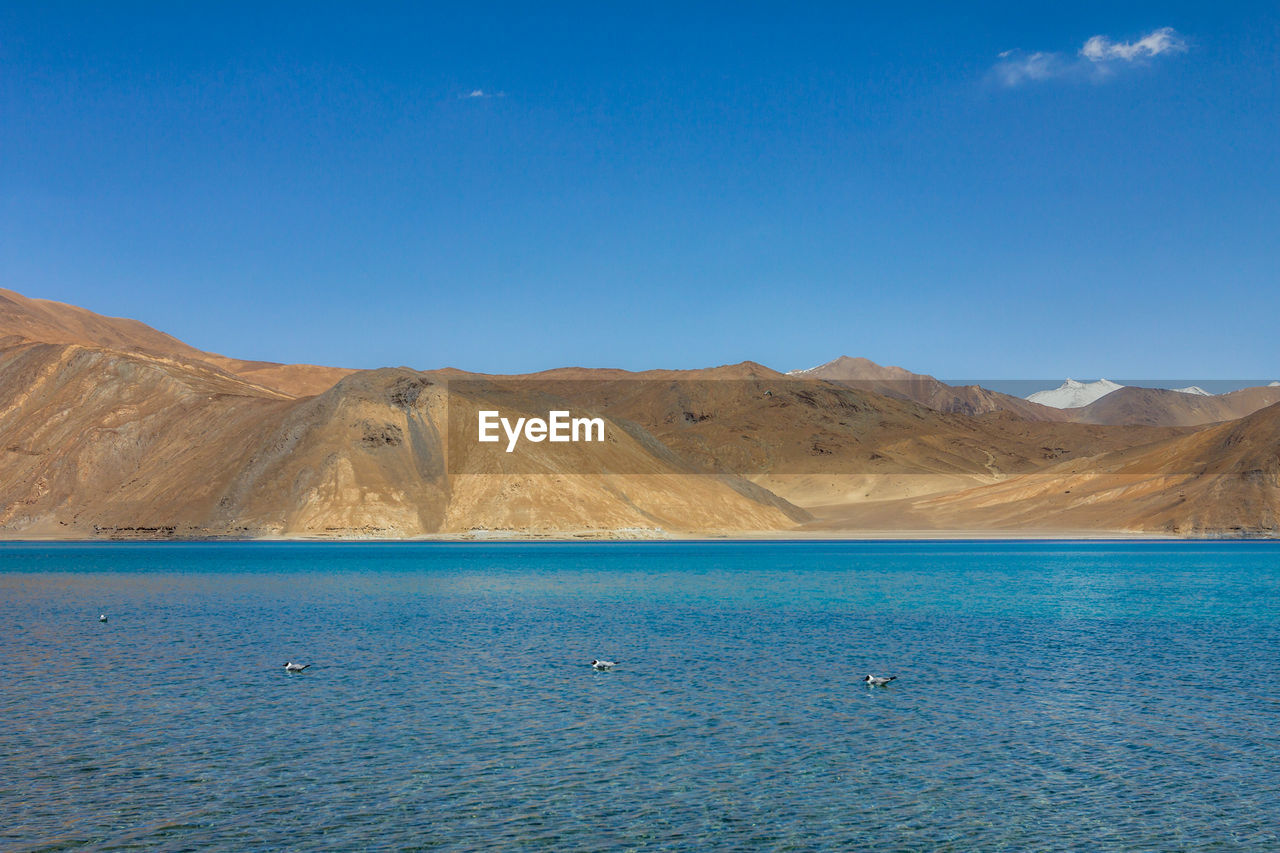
481	93
1016	67
1163	40
1098	59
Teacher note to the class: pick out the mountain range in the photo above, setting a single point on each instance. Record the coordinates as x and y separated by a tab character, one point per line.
1102	402
109	428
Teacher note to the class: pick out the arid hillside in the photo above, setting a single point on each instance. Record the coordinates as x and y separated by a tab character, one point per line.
1160	407
816	442
109	428
902	384
105	443
24	319
1222	481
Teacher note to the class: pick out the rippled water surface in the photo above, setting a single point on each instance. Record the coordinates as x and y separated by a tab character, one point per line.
1050	696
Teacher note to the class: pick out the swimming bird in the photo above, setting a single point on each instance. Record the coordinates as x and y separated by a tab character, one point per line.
878	681
601	665
295	667
102	618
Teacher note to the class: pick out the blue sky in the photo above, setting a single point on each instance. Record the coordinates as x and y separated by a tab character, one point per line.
962	191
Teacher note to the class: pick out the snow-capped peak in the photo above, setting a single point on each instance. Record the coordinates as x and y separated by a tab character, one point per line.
1072	394
1274	385
1193	389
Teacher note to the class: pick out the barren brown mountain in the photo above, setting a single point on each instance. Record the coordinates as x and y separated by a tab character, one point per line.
1160	407
819	443
102	442
1221	481
898	382
45	321
111	428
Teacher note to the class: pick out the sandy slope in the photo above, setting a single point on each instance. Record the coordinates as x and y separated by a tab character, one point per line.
1160	407
1219	481
110	428
902	384
100	442
42	320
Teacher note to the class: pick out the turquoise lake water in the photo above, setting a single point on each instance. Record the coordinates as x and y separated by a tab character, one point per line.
1050	696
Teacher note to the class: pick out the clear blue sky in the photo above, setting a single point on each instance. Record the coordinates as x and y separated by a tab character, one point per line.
644	185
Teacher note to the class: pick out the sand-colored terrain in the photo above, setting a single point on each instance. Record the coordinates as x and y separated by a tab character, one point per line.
104	443
920	388
111	429
1127	406
24	319
1161	407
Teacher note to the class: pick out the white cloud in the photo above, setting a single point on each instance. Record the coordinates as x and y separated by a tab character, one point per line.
481	93
1016	67
1097	59
1163	40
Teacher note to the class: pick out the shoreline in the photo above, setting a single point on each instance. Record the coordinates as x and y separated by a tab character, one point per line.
740	537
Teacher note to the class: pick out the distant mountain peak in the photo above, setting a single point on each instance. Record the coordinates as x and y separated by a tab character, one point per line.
1073	394
849	368
1193	389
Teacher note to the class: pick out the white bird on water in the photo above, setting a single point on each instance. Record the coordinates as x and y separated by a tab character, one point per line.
601	665
878	681
295	667
102	617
